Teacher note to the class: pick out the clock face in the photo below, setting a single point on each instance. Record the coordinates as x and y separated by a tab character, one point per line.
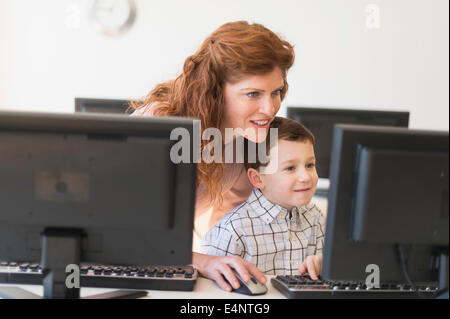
112	17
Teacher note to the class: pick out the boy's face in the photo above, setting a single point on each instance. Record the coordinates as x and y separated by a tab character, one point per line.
294	180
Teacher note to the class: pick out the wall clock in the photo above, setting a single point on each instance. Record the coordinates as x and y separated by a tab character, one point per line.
112	17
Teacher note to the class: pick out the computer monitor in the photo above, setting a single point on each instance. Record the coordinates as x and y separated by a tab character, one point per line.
97	189
101	106
388	191
321	121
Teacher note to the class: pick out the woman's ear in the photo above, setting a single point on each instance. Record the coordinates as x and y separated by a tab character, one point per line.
255	178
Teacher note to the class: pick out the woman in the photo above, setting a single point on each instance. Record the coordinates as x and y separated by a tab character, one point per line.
236	79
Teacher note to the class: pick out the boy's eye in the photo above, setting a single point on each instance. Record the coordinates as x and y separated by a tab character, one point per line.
311	165
289	168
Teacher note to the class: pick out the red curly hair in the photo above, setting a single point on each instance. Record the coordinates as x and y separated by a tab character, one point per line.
232	51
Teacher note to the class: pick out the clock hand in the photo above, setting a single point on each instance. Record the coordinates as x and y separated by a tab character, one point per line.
104	7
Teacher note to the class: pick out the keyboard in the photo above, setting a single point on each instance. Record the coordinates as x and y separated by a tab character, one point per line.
303	287
117	277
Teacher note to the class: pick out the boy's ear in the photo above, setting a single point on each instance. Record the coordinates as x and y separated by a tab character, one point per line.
255	178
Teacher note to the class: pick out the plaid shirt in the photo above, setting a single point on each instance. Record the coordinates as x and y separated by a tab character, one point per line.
275	240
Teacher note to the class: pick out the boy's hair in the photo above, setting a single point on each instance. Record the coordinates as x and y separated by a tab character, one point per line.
288	130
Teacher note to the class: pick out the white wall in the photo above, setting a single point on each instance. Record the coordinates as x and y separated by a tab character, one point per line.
45	61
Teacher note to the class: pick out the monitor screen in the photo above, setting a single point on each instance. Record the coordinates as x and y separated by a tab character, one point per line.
388	188
321	121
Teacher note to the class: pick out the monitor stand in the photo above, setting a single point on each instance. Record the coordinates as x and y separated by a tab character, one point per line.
61	248
443	275
17	293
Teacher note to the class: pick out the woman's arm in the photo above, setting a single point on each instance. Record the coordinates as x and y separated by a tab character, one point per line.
219	268
236	189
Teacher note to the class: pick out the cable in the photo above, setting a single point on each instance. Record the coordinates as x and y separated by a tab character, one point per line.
401	255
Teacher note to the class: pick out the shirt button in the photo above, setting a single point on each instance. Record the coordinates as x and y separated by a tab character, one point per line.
290	236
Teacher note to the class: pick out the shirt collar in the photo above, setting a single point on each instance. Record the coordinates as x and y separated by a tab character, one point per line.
303	209
262	207
268	211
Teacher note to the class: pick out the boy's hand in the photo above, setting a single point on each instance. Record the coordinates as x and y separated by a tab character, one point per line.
312	265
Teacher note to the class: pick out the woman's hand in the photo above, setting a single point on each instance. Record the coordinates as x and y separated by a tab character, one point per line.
219	267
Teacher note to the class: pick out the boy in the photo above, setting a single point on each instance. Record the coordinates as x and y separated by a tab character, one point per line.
278	229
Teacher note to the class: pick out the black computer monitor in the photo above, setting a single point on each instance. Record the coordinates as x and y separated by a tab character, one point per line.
106	179
388	191
102	106
321	121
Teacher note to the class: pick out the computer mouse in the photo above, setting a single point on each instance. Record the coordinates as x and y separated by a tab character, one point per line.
252	288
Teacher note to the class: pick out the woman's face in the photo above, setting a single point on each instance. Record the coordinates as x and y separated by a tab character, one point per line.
251	104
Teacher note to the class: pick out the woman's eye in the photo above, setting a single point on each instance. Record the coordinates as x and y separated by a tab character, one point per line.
253	94
277	92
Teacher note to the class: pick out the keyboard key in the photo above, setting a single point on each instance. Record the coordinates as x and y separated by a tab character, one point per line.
24	266
35	267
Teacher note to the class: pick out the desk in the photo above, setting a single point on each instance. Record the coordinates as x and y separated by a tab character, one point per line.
204	289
